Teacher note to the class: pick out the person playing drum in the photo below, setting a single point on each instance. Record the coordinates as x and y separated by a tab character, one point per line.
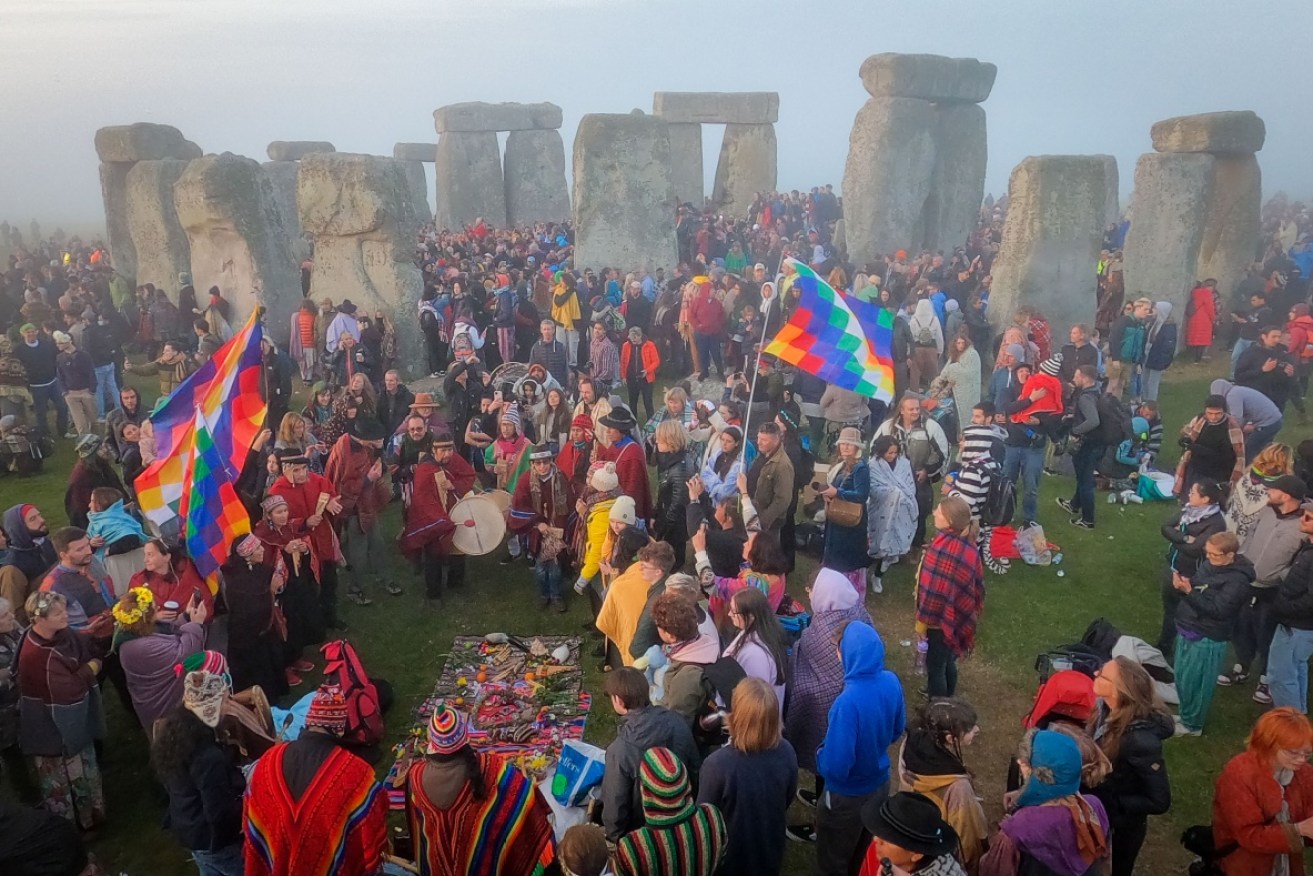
440	481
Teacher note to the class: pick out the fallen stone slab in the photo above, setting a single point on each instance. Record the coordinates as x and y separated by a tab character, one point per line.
415	151
143	141
1218	133
717	107
295	150
928	77
477	116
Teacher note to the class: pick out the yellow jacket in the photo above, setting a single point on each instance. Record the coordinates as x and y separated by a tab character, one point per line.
599	524
566	314
622	608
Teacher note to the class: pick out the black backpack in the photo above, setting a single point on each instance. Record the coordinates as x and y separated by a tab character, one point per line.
1000	504
1114	420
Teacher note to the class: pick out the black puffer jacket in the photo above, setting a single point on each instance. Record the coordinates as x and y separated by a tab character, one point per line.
1185	556
1137	786
641	729
1216	594
1293	606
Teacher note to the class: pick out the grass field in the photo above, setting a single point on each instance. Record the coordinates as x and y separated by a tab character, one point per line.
1111	571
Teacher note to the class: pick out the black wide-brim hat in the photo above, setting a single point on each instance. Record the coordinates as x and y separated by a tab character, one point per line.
911	821
619	418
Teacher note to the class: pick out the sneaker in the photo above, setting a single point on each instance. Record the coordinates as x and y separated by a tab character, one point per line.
559	605
1050	472
506	560
1066	505
1262	695
359	599
801	833
1083	524
1183	730
71	433
303	666
806	798
1237	675
395	589
876	585
293	680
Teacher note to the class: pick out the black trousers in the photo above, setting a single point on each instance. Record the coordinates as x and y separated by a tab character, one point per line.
1254	628
328	592
841	839
1127	838
940	666
1171	599
442	570
636	388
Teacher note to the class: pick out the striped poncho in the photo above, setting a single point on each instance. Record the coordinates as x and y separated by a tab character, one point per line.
681	838
504	833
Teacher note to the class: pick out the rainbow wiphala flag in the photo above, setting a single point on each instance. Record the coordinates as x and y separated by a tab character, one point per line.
214	514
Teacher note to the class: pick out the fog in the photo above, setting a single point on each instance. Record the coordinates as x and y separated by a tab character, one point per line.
1074	77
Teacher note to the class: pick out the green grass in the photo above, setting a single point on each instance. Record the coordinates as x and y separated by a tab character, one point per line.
1112	571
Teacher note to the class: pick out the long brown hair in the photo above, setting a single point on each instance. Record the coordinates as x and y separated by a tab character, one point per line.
1137	700
754	721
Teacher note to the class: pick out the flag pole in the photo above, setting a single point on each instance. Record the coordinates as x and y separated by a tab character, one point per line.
761	346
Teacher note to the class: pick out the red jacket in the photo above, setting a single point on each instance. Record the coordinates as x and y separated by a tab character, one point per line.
1246	802
707	314
348	469
651	360
1301	334
302	499
1201	315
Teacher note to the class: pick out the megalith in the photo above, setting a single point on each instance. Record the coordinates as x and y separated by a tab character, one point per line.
413	157
915	173
1112	208
1051	239
295	150
157	237
1197	200
364	220
238	241
623	194
748	153
119	147
471	181
535	177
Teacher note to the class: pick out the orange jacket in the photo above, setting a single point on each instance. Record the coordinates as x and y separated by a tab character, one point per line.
651	360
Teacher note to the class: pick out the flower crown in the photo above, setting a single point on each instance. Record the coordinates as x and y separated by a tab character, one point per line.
131	617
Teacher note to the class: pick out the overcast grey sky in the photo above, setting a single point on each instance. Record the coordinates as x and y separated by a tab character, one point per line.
1074	76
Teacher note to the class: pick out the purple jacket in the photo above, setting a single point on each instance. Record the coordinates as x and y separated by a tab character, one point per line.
150	664
1044	834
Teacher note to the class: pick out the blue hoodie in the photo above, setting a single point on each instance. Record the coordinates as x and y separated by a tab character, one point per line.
865	720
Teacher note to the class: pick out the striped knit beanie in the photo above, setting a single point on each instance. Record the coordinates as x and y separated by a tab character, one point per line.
448	731
327	710
512	415
205	661
664	786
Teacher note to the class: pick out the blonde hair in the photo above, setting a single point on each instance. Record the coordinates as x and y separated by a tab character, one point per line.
1274	460
677	392
754	720
672	433
287	429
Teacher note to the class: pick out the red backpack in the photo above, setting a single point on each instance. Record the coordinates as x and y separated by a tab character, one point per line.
364	714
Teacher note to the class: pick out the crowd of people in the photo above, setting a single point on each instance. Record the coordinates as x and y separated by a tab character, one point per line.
680	527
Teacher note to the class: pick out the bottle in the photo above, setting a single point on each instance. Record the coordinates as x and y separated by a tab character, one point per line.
922	646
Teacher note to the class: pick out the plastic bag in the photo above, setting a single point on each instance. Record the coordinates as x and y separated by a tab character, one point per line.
577	772
1033	546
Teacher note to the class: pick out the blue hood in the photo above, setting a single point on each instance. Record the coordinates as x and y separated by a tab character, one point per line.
862	650
865	719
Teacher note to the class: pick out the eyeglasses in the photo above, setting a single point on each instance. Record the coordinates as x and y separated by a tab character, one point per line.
1298	753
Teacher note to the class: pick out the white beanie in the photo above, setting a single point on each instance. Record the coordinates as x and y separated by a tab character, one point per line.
624	510
605	479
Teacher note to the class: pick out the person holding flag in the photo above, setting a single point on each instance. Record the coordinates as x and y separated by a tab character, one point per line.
312	498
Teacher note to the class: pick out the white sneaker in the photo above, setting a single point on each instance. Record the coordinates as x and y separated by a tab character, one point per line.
874	584
1182	730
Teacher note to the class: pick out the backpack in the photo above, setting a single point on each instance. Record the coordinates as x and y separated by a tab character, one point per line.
1114	420
364	703
718	680
1000	504
925	337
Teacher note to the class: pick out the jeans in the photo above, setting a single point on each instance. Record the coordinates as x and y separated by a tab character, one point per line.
220	862
107	386
709	352
44	395
1287	667
1152	379
548	578
1256	440
841	839
1240	346
1253	629
940	666
570	338
1087	457
1023	465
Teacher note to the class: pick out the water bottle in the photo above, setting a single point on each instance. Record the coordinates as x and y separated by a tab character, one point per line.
922	646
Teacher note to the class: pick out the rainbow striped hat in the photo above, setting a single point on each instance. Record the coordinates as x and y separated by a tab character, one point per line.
448	731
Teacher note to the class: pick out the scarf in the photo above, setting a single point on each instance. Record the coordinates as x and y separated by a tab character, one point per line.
1091	838
1191	514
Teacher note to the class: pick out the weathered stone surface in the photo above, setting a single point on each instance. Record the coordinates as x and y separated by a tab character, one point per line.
226	205
891	158
717	107
160	243
415	151
295	150
686	163
928	77
478	116
1194	216
535	178
747	165
360	210
419	187
1218	133
957	184
282	177
1112	208
840	236
1051	238
114	193
143	141
469	179
623	196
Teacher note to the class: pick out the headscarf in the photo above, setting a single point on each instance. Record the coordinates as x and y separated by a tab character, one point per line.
204	694
832	591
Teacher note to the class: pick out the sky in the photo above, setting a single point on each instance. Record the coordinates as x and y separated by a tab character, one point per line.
1074	77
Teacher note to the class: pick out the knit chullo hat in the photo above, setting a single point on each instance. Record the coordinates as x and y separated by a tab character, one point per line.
512	415
664	787
206	661
448	731
327	710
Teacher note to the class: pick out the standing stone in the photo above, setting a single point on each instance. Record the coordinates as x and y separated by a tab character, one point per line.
840	236
469	179
418	185
686	162
957	184
1231	225
748	165
282	177
295	150
114	193
360	210
623	193
535	178
415	151
238	242
1051	239
160	243
891	158
1112	210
